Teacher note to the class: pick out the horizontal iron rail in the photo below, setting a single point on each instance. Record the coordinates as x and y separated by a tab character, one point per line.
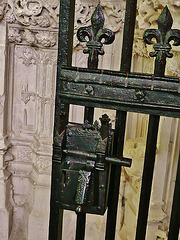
133	92
104	74
122	106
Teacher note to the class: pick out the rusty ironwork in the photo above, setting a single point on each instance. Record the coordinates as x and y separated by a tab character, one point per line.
163	35
84	162
81	153
97	36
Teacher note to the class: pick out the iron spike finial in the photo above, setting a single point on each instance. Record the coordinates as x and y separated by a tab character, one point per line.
163	35
95	34
165	20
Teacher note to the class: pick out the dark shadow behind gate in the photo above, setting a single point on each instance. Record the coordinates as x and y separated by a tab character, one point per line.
156	95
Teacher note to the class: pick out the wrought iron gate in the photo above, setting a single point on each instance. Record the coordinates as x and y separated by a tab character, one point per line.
156	95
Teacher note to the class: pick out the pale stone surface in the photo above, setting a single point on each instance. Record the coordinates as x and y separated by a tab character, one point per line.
5	205
28	110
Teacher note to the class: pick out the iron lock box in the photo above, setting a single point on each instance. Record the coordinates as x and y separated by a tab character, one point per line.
83	174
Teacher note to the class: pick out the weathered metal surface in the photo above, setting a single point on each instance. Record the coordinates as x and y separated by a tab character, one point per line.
120	124
94	49
163	35
135	92
67	9
82	163
87	169
130	92
95	33
128	36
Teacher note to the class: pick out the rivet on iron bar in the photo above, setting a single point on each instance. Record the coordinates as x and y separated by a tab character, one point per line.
77	75
101	77
152	82
126	81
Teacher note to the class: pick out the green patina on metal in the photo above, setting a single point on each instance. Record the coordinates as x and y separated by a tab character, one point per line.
85	173
84	162
95	33
133	92
130	92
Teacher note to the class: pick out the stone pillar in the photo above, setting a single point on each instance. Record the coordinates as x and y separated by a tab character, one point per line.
5	206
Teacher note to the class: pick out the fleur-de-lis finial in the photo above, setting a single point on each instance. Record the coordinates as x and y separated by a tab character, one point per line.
95	33
163	35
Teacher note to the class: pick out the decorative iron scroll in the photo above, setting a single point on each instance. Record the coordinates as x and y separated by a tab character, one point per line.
163	35
95	33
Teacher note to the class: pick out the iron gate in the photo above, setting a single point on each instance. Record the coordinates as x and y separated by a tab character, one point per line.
156	95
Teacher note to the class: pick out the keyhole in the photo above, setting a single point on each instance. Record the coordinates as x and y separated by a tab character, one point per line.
64	177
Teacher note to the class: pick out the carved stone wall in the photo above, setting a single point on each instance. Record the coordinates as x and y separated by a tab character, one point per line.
30	43
28	46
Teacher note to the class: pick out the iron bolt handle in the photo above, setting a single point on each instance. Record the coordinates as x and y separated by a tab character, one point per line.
126	162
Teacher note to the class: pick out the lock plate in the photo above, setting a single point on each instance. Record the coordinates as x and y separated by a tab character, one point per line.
83	173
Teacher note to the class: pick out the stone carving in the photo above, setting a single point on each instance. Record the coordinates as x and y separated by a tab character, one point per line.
148	11
2	9
139	48
34	38
43	165
9	16
28	55
14	35
83	13
33	13
29	37
49	57
24	154
26	95
135	148
174	69
114	14
27	10
46	39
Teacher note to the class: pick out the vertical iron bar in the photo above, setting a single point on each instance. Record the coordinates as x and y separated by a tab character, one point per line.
147	177
60	224
89	114
128	36
65	43
115	176
159	70
81	217
174	227
80	227
161	52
